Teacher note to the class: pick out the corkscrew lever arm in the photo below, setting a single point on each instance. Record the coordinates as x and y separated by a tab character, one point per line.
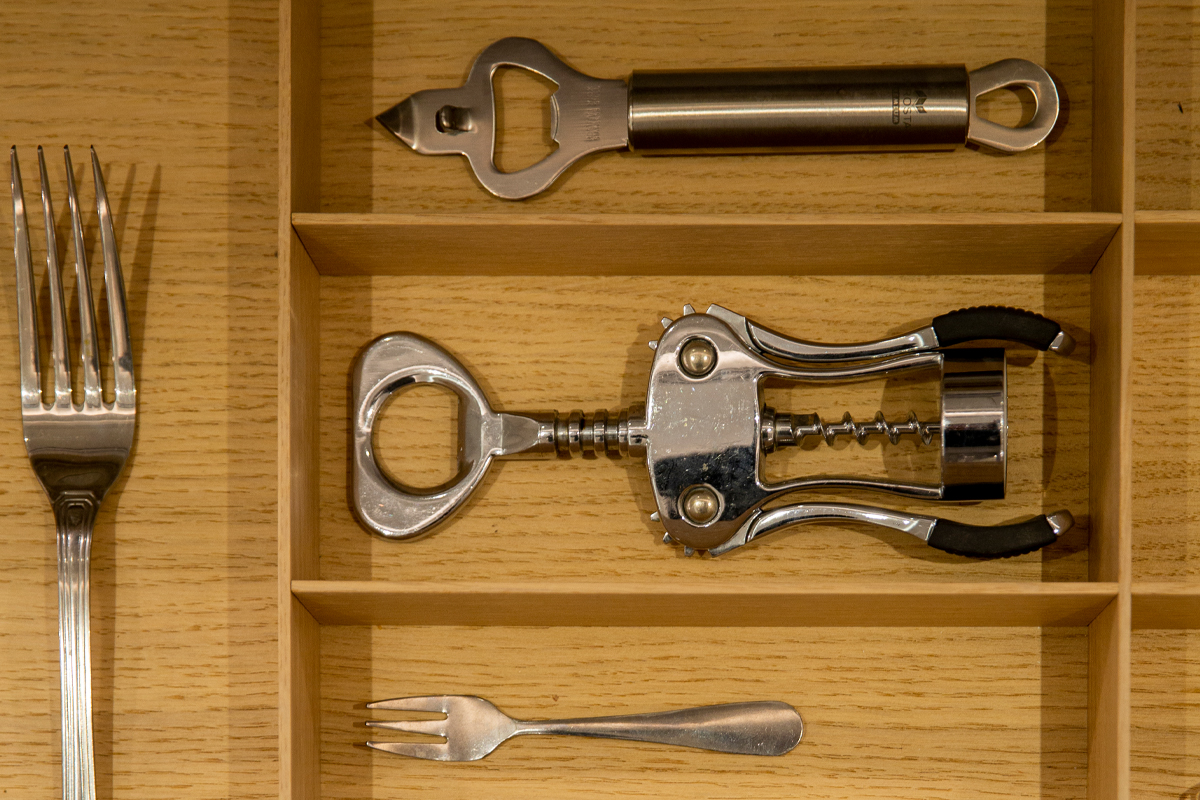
974	541
956	327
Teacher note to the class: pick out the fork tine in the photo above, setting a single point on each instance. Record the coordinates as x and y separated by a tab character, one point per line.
429	727
60	360
31	376
435	703
431	752
89	348
114	283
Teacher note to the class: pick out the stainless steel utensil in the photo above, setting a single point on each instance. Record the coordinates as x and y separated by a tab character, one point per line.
473	727
712	111
77	450
704	431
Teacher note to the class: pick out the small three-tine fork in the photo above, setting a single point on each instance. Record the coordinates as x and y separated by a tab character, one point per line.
77	449
473	727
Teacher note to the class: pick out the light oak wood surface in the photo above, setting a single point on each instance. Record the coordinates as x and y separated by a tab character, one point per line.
1168	105
179	100
1168	242
1166	461
299	671
1161	604
708	244
767	603
1165	745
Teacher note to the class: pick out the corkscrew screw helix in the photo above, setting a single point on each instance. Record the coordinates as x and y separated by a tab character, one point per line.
781	430
703	430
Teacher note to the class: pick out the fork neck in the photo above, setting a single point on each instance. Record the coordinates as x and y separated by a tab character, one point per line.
75	513
615	727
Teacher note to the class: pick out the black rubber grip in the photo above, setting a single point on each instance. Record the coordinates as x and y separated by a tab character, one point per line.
992	541
995	322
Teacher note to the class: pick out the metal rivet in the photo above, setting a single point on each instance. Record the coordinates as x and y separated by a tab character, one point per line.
697	358
700	505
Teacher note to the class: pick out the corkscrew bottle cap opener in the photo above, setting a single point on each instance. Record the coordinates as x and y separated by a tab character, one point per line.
704	430
721	111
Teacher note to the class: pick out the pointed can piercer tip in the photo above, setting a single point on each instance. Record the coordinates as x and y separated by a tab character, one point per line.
399	121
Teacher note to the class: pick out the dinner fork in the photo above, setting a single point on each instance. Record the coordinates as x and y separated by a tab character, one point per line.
77	450
473	727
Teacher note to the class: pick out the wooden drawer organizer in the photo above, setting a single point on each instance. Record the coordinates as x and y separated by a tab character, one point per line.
919	675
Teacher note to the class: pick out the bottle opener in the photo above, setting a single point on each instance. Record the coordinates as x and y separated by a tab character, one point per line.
721	111
704	430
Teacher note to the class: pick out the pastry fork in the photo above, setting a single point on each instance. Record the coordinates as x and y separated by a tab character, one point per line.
473	727
77	450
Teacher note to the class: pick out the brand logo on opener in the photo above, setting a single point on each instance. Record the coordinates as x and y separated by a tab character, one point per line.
905	103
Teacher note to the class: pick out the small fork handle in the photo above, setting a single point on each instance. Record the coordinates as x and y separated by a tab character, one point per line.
768	728
75	517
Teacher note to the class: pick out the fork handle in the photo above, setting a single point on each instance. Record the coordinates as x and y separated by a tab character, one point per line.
74	519
768	728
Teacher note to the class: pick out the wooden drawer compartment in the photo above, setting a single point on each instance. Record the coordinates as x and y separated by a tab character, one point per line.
540	343
370	205
889	712
1006	677
374	54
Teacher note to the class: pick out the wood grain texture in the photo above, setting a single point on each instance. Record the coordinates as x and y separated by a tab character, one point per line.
1114	88
653	244
1166	605
374	54
1108	701
1112	313
996	712
180	102
1168	242
299	295
1165	747
1166	450
538	343
299	691
766	603
1111	406
1168	104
